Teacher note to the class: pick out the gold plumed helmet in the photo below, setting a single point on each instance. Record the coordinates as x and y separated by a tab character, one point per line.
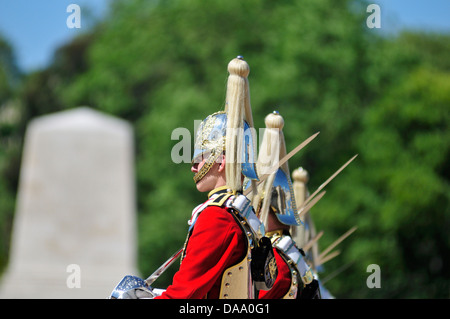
277	191
230	131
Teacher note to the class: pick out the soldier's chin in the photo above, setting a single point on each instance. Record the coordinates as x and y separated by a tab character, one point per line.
201	186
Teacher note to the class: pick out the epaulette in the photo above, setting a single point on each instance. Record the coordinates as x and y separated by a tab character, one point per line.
220	199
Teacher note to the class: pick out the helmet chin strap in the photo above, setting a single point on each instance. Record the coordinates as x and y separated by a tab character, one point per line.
207	166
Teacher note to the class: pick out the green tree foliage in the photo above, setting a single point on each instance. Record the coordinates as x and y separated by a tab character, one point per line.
162	65
9	144
398	191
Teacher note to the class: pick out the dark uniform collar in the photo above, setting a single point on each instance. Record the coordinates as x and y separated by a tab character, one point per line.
219	190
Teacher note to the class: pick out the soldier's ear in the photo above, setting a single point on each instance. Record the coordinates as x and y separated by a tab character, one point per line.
221	161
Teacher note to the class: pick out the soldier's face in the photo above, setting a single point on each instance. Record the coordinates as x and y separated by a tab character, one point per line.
214	178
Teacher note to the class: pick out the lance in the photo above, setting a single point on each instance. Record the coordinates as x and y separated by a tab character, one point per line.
283	160
306	207
329	180
323	258
158	272
309	244
328	257
336	272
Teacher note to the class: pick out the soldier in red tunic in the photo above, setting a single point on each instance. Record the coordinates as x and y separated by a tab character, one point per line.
225	247
216	259
215	244
216	240
278	211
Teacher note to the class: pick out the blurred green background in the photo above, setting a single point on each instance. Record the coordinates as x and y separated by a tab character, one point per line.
162	64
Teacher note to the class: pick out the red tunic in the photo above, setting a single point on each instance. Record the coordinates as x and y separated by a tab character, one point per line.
216	243
282	283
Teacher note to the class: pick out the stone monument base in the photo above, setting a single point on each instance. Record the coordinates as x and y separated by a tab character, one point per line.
74	232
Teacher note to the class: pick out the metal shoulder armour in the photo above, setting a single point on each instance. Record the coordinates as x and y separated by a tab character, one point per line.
293	288
297	265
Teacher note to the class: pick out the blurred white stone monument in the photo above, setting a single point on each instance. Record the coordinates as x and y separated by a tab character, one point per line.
74	227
